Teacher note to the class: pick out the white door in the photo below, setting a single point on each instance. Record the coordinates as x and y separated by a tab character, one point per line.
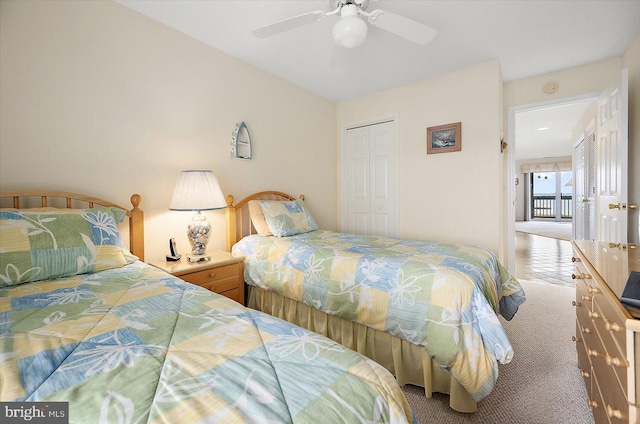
370	180
579	192
611	157
584	184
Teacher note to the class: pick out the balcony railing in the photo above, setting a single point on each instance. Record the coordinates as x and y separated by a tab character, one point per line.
545	207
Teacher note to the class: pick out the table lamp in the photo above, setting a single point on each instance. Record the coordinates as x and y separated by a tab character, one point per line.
198	190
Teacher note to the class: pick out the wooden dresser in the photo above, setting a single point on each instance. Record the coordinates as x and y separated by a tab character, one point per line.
607	331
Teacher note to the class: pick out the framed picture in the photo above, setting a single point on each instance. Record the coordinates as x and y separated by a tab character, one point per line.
444	138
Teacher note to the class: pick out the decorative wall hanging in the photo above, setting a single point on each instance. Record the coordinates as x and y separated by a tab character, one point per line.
444	138
240	142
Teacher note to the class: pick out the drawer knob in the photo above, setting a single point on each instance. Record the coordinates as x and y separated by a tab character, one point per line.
593	403
611	326
212	274
593	315
574	259
585	330
586	298
580	276
611	361
574	303
593	353
593	290
585	374
575	339
614	413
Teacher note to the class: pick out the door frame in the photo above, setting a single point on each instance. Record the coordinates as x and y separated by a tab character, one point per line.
343	171
510	225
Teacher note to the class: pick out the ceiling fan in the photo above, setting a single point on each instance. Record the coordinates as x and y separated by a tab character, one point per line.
351	31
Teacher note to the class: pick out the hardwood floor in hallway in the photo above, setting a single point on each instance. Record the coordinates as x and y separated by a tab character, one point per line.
544	259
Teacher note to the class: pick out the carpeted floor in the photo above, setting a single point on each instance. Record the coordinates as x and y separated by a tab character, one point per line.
559	230
542	384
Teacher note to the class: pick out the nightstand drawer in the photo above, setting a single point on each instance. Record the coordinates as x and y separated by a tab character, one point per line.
216	275
223	274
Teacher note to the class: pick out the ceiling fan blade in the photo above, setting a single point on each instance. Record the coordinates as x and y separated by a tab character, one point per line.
289	23
404	27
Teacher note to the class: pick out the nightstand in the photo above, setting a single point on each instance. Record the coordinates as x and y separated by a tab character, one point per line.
223	274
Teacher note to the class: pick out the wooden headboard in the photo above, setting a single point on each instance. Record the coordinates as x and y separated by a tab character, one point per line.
66	200
238	221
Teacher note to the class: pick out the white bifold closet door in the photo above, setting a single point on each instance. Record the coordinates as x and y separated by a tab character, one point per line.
370	180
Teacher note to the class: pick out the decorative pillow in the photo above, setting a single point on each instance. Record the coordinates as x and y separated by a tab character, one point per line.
257	217
288	218
40	244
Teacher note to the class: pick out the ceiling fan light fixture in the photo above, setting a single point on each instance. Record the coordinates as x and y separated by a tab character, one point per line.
350	32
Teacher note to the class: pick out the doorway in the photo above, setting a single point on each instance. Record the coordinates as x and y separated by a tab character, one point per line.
542	141
551	196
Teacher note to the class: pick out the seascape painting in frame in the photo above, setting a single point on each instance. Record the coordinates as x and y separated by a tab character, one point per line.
444	138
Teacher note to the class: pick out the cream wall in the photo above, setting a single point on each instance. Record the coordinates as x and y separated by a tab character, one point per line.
631	61
456	196
98	99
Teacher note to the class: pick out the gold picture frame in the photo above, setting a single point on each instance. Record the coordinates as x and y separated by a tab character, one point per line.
444	138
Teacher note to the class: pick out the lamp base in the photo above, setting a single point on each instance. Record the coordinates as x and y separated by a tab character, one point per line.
198	258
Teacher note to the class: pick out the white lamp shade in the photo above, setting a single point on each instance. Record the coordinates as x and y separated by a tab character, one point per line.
350	32
197	190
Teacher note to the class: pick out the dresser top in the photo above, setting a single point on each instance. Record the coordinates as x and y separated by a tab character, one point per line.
612	263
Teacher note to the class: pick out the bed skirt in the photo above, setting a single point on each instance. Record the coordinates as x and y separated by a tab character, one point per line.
411	364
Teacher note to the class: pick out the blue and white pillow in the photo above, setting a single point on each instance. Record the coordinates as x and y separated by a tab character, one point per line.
288	218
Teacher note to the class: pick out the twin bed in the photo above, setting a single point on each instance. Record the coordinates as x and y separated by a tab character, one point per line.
426	311
83	320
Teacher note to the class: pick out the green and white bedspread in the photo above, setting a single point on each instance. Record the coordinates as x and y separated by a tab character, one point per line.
136	345
442	296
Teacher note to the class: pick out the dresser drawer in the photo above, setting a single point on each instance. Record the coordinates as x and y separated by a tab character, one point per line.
584	363
595	401
610	325
616	357
613	394
219	280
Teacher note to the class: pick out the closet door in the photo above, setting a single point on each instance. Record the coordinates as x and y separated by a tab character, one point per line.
370	180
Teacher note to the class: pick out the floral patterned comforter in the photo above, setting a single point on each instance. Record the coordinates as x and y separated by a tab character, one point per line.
442	296
136	345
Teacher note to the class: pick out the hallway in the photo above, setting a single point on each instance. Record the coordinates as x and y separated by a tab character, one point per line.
544	259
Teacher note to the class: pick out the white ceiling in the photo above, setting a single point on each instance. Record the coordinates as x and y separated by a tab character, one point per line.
534	142
528	37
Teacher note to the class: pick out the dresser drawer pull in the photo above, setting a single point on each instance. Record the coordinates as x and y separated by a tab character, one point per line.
585	374
575	339
593	315
611	326
581	276
212	274
593	353
614	413
586	298
574	259
586	330
612	361
593	290
574	303
593	403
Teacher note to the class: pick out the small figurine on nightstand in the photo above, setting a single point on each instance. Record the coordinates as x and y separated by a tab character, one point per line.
175	256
